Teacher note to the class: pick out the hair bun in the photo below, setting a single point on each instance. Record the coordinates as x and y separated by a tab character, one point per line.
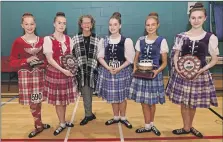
153	14
27	14
116	14
198	5
60	14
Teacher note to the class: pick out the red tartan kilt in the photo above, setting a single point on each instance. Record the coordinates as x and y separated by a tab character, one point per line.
30	82
59	88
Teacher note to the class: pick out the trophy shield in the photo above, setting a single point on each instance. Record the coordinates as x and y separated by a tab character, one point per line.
189	65
70	63
144	69
34	51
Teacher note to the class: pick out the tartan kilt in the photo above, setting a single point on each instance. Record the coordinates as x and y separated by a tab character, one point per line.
147	91
196	93
30	82
114	88
59	88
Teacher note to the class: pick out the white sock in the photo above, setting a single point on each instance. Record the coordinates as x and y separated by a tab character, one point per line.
116	117
123	118
63	125
151	124
147	126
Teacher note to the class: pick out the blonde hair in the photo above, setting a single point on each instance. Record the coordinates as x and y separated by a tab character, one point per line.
27	14
153	15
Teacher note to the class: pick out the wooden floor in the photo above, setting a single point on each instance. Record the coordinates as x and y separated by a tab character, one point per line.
17	122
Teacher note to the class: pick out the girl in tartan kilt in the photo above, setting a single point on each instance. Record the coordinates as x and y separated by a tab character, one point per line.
150	92
199	92
27	57
60	85
116	53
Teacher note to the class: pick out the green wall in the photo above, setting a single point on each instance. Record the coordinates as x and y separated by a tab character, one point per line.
173	18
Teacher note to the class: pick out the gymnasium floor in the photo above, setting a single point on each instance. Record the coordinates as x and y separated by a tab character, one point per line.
17	122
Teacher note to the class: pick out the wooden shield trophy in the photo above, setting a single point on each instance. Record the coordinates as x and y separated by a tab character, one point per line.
70	63
190	65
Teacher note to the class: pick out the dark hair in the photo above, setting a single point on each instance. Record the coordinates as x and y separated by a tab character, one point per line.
27	14
116	15
59	14
153	15
198	7
81	20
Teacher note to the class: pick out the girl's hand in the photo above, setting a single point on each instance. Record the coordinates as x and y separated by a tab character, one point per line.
179	72
67	73
155	72
116	70
32	59
134	69
199	73
110	69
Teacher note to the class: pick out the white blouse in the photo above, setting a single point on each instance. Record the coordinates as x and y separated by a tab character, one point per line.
212	46
163	47
129	48
47	45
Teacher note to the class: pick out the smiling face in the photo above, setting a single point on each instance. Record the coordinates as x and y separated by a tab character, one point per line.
28	24
86	24
114	26
197	19
151	25
60	24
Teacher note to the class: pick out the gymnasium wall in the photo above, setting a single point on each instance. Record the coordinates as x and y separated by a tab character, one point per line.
173	18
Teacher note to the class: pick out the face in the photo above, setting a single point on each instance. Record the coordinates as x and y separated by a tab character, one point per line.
114	26
197	19
86	24
28	25
151	26
60	24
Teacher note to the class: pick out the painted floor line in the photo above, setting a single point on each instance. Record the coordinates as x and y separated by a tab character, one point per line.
9	101
9	93
72	119
121	132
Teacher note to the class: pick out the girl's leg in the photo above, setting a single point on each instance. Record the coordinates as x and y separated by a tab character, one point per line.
122	109
115	107
36	113
61	112
152	112
192	129
146	114
186	121
60	109
152	115
191	114
185	113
